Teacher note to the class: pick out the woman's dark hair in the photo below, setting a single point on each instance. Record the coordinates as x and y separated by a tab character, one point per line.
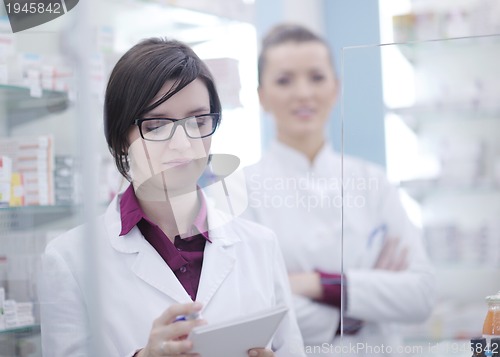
284	33
135	81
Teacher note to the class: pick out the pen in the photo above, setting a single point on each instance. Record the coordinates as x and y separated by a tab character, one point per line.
188	317
377	234
374	245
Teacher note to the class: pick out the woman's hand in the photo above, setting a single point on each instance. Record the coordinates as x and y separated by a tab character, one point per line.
306	284
260	352
167	338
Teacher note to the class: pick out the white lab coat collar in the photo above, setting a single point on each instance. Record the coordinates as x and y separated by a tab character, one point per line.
148	265
218	228
297	160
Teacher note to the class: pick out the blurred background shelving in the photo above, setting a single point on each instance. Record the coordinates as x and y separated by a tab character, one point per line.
441	91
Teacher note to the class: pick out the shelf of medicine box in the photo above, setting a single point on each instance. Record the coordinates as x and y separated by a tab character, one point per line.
452	112
21	107
22	330
420	189
454	47
26	217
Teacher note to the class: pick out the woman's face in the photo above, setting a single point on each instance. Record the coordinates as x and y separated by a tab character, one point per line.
298	87
174	165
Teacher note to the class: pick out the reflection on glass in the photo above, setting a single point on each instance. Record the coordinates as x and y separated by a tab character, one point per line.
442	150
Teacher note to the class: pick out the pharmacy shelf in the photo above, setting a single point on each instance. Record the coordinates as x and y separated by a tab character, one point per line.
421	189
24	218
28	217
455	121
29	330
22	105
57	209
418	115
46	209
447	110
414	51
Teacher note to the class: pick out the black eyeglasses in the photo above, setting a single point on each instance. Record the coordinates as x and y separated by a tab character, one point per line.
161	129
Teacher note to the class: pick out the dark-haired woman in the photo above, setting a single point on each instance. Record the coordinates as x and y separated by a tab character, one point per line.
162	249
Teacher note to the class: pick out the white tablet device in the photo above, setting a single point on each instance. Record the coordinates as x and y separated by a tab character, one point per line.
236	336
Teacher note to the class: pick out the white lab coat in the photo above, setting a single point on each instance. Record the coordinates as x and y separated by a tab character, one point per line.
114	295
301	202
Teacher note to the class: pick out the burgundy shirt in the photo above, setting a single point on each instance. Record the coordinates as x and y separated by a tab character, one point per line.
185	255
333	293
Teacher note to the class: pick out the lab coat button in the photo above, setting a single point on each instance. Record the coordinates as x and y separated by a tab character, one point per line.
183	269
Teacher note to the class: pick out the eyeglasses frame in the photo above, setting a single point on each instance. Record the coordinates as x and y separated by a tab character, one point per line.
181	122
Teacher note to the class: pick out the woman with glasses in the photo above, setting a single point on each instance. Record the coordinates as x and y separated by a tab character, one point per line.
161	249
348	245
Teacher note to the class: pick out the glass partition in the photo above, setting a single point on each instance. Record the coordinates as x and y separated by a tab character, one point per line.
38	169
421	238
55	168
